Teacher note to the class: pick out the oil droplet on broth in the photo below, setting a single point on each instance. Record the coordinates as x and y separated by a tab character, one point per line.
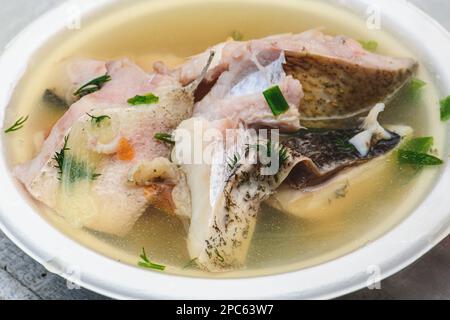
171	31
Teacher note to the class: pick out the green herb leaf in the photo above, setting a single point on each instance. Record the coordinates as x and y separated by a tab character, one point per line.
149	98
414	89
370	45
17	125
419	145
445	109
233	161
92	86
276	100
60	156
97	121
416	158
272	148
71	169
146	263
75	170
237	36
164	137
50	97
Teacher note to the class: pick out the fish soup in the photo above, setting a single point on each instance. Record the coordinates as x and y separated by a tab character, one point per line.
292	228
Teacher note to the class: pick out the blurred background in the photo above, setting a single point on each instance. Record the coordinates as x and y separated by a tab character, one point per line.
22	278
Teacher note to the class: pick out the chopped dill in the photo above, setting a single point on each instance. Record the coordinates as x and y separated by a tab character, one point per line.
233	161
272	148
97	121
146	263
60	156
283	155
164	137
17	125
70	168
92	86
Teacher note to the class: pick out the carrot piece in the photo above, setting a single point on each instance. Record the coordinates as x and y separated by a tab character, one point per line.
125	151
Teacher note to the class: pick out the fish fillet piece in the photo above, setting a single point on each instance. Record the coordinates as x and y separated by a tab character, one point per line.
225	197
333	168
127	80
238	92
95	190
340	79
83	170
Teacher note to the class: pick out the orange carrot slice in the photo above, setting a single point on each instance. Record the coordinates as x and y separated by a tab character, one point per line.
125	151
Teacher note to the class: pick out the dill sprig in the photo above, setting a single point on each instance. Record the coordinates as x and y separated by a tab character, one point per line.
17	125
283	154
92	86
233	161
164	137
60	157
97	120
146	263
272	148
76	169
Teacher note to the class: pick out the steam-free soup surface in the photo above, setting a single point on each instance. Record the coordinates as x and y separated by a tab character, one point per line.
148	31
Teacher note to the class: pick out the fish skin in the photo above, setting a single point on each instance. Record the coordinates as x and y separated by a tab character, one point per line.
336	89
327	153
341	81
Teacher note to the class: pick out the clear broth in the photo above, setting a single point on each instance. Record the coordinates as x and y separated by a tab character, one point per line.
147	31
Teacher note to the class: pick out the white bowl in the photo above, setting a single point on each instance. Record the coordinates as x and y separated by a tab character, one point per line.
408	241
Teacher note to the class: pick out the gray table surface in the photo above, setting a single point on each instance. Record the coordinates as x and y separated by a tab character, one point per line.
22	278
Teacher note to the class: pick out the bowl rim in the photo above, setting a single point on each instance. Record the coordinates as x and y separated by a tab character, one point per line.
406	242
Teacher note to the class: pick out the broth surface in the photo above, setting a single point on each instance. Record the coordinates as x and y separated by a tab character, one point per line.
171	31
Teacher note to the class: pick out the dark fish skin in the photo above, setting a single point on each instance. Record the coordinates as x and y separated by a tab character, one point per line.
338	91
328	153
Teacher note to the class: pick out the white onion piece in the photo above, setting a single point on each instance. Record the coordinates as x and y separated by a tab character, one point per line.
104	148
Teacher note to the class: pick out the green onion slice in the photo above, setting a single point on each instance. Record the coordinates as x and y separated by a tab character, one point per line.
276	100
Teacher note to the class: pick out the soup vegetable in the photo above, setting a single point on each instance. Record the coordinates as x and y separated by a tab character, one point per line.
212	163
